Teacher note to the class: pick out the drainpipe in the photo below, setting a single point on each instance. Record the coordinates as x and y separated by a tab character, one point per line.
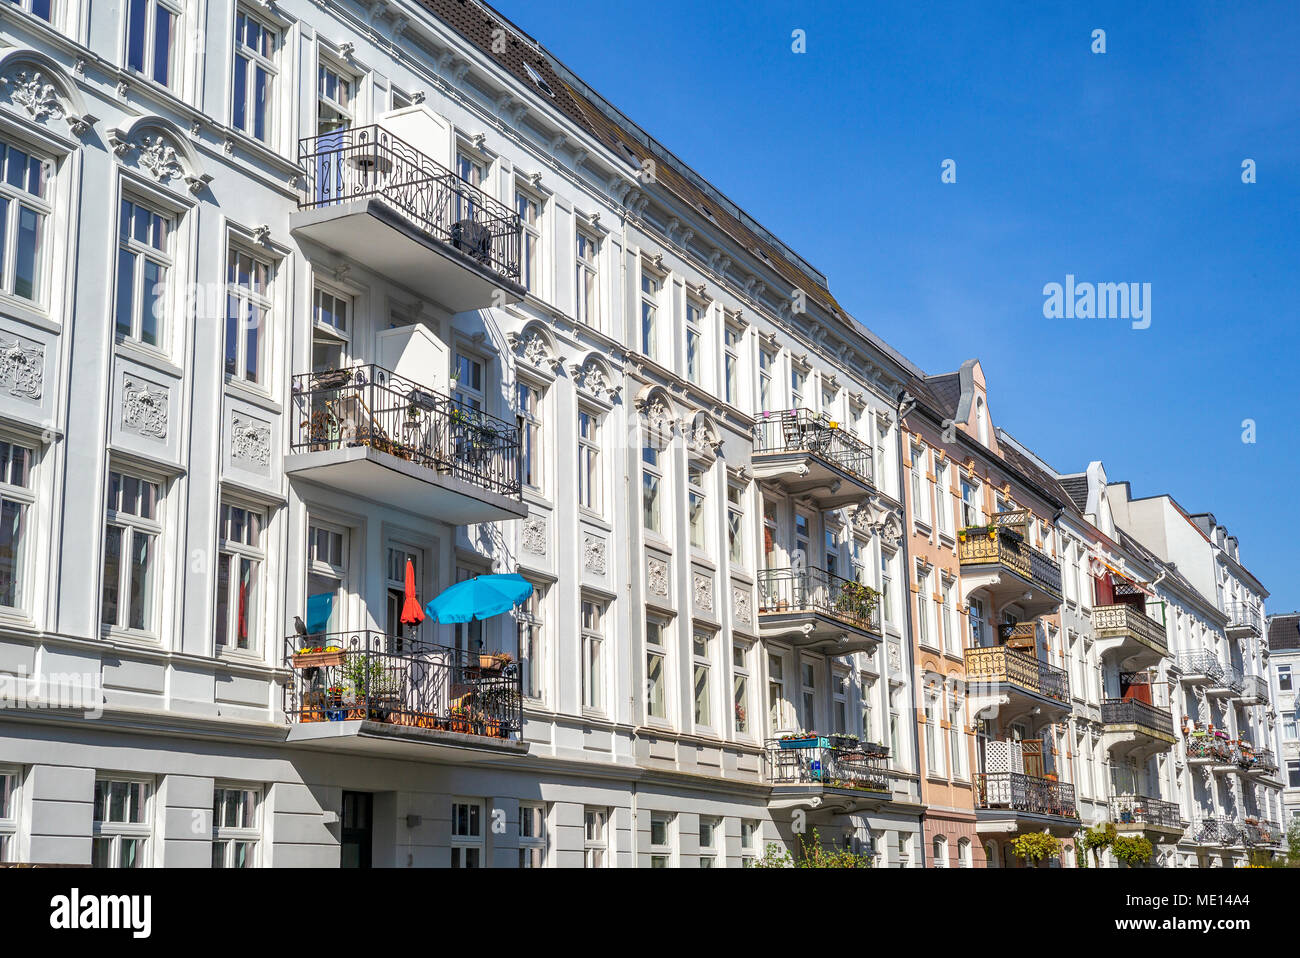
905	404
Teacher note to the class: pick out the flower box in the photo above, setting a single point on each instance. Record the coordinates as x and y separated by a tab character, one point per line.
315	660
806	741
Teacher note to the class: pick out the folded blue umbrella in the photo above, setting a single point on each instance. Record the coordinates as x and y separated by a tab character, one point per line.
479	598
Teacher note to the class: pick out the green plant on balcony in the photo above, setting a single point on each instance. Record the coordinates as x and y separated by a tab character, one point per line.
1035	847
1097	839
856	600
1132	850
368	677
971	532
812	854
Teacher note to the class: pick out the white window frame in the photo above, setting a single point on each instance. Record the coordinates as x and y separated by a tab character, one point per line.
40	205
652	485
742	693
23	498
10	802
650	288
132	526
532	650
117	832
330	334
466	842
736	524
657	648
942	498
709	852
144	252
595	834
665	851
697	504
808	694
328	569
590	479
586	294
731	339
343	108
533	835
248	833
920	485
530	399
147	69
231	554
766	363
467	394
255	59
694	341
249	297
751	832
593	666
531	209
702	650
28	7
777	706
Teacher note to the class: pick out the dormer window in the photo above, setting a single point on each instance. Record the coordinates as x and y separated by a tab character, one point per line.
538	80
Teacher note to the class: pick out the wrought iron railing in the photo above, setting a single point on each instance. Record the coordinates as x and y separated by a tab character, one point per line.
816	590
1207	745
1264	761
1212	830
1005	541
1133	712
1231	679
1025	793
368	161
366	405
802	430
1200	662
1140	810
812	759
1255	689
1242	615
401	681
1122	619
1260	832
1001	665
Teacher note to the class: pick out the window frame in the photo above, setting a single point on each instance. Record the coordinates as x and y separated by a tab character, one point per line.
461	844
238	552
648	298
590	479
657	649
533	848
249	297
118	831
256	59
11	800
530	399
143	253
531	271
586	293
703	714
595	848
233	835
41	205
147	69
24	498
593	665
133	525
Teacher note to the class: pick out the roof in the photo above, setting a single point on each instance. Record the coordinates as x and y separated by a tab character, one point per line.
1076	487
1284	631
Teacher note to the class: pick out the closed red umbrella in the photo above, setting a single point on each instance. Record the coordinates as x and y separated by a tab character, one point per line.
412	614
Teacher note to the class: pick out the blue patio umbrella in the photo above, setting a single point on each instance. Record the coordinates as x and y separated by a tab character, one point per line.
479	598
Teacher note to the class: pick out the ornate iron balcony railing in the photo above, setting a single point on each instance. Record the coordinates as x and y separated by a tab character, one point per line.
1212	830
814	759
1200	662
1003	541
816	590
1132	712
999	664
1025	793
1123	619
802	430
1140	810
1242	615
368	161
366	405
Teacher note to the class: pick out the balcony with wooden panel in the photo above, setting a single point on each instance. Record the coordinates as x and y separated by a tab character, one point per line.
998	559
1005	683
1016	793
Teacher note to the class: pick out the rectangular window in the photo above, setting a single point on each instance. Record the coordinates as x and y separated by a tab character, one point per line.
37	8
886	590
920	486
661	838
235	827
951	638
121	826
766	361
24	210
531	635
942	504
239	566
529	209
740	686
466	834
330	331
736	524
976	615
775	692
469	382
16	502
656	671
1284	678
248	313
151	39
748	842
798	380
731	364
8	815
1293	773
398	557
532	835
130	569
254	85
531	440
650	286
709	830
334	94
694	341
970	506
695	504
868	706
923	631
474	172
588	280
808	696
593	655
840	703
701	672
326	575
143	266
589	477
595	841
651	478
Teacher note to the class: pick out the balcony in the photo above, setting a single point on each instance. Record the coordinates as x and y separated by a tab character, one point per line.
818	609
1199	667
1215	830
1156	819
998	558
811	455
1228	684
386	206
1014	801
1261	833
1243	620
1134	639
1264	763
810	770
374	693
378	436
1013	683
1206	746
1136	729
1255	690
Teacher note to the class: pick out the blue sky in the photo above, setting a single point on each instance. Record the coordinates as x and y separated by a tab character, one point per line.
1115	167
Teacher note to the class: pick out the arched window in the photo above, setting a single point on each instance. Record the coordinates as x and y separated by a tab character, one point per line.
990	855
963	853
940	852
981	420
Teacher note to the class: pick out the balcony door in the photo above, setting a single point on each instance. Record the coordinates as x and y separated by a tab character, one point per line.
401	636
356	830
327	575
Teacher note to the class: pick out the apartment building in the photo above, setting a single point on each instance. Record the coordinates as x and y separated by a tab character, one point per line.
391	290
1284	664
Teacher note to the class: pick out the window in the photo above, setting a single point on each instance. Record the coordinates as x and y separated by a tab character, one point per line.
588	280
970	506
656	656
254	87
650	286
593	662
775	691
942	505
467	387
529	209
951	638
8	816
924	634
531	636
474	172
661	849
330	333
121	824
933	748
748	834
15	502
466	834
530	434
37	8
840	702
334	93
143	265
589	478
740	686
131	535
964	853
808	696
766	360
248	312
532	835
940	852
868	707
239	565
709	828
235	827
1293	773
736	524
731	364
798	380
981	420
976	623
651	479
920	488
957	754
702	667
23	213
1288	727
695	503
151	39
886	590
831	552
828	402
694	341
326	574
595	826
1284	678
882	457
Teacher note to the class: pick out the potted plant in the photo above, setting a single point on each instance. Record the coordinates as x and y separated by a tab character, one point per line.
804	740
334	710
494	661
318	656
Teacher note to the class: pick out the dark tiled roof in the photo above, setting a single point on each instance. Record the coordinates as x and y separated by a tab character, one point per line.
946	389
1284	631
1076	487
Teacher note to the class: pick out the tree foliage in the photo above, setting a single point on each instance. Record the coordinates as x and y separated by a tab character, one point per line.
1034	847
